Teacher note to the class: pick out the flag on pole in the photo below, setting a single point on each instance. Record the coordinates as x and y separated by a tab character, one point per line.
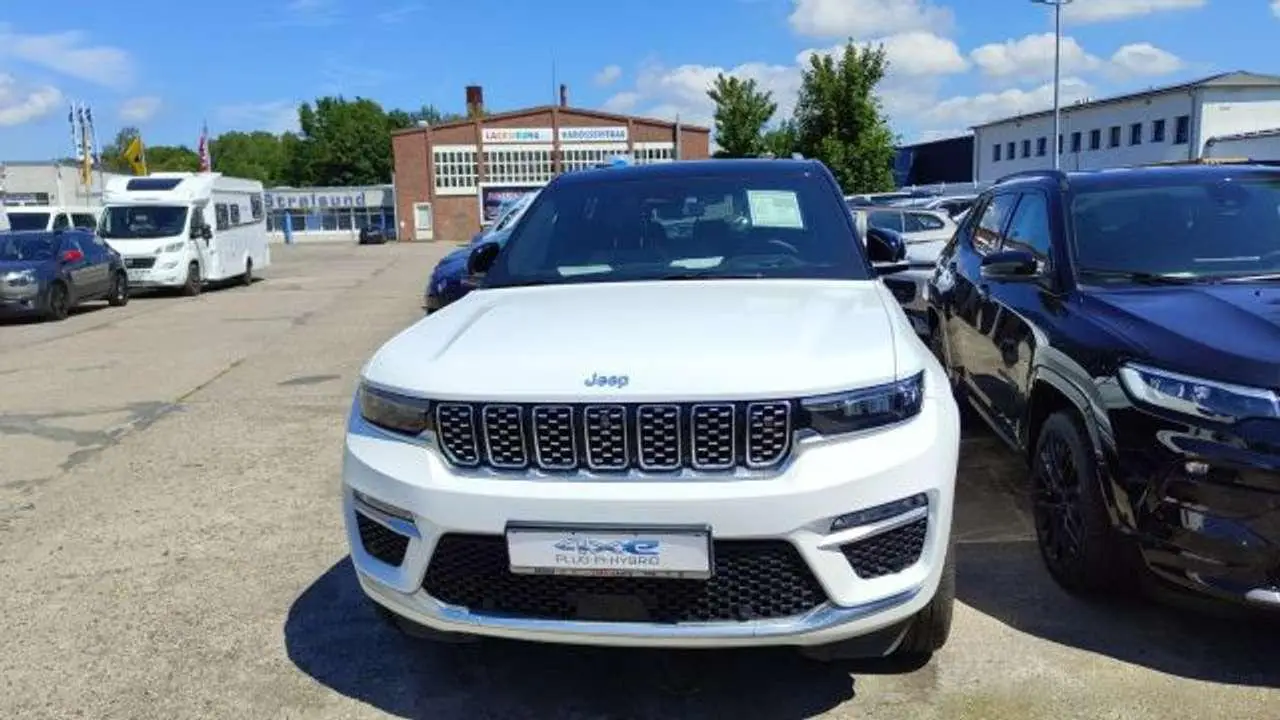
75	132
86	157
206	160
136	155
93	137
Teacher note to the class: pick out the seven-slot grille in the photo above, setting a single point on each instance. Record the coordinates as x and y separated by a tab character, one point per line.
660	437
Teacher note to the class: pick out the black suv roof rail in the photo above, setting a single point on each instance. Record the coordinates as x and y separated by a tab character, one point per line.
1058	175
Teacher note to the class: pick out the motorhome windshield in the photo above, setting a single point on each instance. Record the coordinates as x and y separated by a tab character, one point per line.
28	220
143	221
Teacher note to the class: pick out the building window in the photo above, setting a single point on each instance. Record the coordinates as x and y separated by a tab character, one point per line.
1113	137
1182	130
1041	146
518	165
580	157
1026	148
995	153
1095	139
1075	142
1009	150
1157	131
1135	134
646	153
455	167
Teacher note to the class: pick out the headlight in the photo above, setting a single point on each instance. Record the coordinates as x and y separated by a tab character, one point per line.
174	247
20	278
866	408
397	413
1207	399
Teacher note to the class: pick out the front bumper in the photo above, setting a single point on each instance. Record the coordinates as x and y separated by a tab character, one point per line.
911	289
20	298
792	509
1204	503
164	274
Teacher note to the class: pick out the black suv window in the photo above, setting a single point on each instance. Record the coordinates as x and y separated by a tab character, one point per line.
1030	227
986	235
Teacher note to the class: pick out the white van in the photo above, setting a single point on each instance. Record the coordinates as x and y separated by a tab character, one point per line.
52	217
182	230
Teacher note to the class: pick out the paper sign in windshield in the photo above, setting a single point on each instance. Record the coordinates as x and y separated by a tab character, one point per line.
774	208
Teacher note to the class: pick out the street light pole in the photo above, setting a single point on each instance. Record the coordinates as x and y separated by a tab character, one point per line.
1057	76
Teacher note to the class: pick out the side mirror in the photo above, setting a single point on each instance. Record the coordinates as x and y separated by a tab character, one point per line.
72	256
1010	264
206	232
482	257
886	250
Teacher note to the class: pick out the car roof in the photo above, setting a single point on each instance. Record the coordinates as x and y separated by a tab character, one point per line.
727	167
1140	175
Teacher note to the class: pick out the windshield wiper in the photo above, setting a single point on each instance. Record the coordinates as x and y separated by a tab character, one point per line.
1145	278
711	275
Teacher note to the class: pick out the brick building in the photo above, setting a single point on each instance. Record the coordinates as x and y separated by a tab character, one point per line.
449	178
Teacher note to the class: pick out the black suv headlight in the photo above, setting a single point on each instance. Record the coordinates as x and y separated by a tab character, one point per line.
864	409
1197	397
394	412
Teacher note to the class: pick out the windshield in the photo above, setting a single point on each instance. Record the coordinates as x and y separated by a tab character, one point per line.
618	229
1216	227
28	221
36	248
143	221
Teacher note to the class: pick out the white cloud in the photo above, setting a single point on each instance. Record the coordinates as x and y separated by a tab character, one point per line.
1100	11
665	92
20	104
1145	59
314	13
139	109
867	18
976	109
931	135
912	53
1275	8
398	14
608	75
69	53
1031	57
275	116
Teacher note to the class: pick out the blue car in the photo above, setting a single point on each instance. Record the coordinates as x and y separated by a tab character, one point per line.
47	273
448	280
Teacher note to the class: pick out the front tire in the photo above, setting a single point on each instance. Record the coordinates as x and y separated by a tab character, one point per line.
1078	545
118	296
57	302
193	285
247	280
931	627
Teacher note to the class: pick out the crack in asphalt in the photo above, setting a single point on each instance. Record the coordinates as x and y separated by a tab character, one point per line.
141	415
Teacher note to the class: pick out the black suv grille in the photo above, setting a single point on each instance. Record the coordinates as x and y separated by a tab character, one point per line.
753	579
604	438
889	552
381	542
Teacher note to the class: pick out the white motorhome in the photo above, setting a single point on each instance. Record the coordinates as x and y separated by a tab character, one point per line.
182	230
52	217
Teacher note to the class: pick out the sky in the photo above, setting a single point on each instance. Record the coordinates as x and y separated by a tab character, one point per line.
169	67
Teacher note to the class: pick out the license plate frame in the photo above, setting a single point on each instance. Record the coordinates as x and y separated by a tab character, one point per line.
594	550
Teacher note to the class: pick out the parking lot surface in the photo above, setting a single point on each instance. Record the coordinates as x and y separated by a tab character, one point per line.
171	546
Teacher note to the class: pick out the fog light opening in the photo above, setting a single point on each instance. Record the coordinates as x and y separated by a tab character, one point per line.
1196	468
879	513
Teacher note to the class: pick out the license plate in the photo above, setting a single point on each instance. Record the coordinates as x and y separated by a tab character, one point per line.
137	274
669	553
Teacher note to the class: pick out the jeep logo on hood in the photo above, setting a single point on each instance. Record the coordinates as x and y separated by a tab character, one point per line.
613	381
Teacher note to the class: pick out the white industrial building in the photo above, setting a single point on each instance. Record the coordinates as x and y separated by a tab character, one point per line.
49	183
1231	115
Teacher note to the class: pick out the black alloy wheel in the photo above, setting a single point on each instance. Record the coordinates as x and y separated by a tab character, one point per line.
1078	545
58	302
118	296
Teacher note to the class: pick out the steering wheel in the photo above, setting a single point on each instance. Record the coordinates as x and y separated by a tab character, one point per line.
783	243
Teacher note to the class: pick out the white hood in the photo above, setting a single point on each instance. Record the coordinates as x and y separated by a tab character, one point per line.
686	340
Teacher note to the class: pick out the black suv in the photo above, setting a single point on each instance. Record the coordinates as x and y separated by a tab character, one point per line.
1121	328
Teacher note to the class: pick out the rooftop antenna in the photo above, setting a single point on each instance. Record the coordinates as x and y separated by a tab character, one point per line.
553	79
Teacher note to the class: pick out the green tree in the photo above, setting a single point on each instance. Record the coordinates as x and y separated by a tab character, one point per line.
780	140
839	119
259	155
742	109
160	158
345	142
400	119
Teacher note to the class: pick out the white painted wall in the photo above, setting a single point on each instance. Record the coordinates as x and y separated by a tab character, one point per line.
1167	106
1266	147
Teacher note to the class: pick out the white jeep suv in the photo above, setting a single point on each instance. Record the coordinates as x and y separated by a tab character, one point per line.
679	410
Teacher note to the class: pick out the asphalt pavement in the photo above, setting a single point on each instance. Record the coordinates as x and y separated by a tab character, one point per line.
171	547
